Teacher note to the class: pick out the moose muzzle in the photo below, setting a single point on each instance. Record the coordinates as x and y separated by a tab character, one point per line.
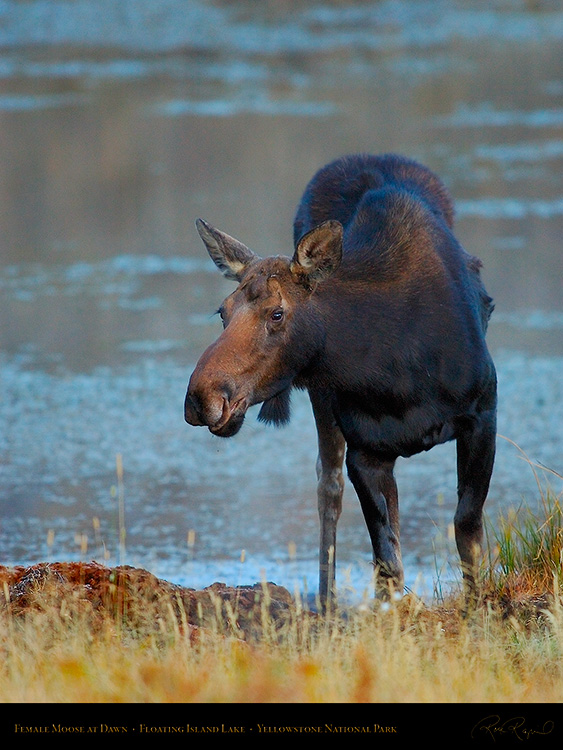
215	406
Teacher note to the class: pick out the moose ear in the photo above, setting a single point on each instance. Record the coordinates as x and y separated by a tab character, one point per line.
229	255
319	252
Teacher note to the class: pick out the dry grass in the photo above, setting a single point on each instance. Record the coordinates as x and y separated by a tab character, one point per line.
407	652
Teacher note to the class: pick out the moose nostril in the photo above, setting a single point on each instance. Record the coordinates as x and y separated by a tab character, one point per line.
226	392
192	413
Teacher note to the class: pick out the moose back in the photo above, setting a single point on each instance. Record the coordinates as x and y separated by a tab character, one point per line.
381	316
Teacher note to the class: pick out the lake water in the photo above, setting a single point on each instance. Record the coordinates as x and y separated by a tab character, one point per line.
120	123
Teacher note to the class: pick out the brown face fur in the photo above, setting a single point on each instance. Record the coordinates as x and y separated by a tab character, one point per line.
253	360
243	367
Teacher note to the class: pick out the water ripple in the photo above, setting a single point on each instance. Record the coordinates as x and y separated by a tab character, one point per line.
509	208
110	276
485	114
230	107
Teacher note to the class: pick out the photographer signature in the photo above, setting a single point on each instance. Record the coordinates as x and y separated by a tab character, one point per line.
492	726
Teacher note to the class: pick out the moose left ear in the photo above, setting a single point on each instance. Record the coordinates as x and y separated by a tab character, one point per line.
319	252
229	255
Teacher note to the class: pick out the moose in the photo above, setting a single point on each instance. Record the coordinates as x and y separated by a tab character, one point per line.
381	316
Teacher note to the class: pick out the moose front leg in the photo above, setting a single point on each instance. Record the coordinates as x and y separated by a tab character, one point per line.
475	457
375	486
329	491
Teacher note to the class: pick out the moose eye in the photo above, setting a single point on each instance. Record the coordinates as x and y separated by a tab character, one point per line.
277	315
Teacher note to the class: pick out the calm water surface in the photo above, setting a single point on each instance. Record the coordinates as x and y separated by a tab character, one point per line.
118	129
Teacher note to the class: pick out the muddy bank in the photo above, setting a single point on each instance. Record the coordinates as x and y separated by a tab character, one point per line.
136	598
139	604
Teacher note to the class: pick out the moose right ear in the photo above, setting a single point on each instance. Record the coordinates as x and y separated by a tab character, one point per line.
229	255
319	252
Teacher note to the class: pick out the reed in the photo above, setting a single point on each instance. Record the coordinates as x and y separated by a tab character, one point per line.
525	546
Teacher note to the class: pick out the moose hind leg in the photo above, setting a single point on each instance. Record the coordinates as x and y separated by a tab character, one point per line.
375	486
330	488
475	459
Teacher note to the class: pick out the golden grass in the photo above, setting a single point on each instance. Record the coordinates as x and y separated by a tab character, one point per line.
407	652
